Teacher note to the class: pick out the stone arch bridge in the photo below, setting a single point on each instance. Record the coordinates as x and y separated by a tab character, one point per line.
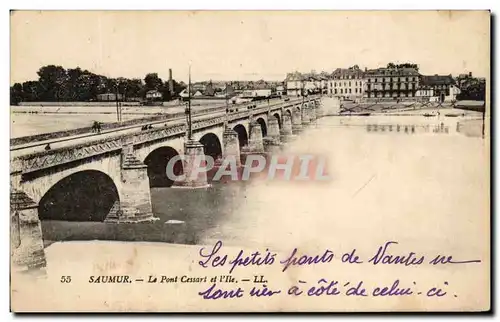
109	179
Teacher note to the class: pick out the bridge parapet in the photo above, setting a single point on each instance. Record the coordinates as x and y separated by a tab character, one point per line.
46	159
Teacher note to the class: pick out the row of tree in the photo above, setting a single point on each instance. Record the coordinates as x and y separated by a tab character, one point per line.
405	65
475	91
58	84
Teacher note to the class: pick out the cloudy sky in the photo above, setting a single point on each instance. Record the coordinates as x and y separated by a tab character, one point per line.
246	45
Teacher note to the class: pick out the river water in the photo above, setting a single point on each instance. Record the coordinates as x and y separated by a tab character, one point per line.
425	187
424	182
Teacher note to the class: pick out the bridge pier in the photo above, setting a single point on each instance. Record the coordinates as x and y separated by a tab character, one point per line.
27	251
286	128
273	131
255	143
319	109
134	192
296	121
305	116
231	144
194	158
312	111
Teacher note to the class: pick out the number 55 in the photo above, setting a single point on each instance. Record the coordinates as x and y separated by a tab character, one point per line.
65	279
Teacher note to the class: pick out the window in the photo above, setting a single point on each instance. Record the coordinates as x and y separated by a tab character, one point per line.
350	91
349	83
335	84
375	80
345	84
356	90
341	91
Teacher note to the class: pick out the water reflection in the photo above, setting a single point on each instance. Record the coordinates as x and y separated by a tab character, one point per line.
413	129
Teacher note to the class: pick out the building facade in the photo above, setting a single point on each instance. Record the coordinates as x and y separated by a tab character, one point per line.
347	83
294	84
154	95
391	83
438	88
280	90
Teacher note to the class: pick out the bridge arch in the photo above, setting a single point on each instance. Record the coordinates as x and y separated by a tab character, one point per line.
277	116
263	126
157	161
242	135
86	195
212	145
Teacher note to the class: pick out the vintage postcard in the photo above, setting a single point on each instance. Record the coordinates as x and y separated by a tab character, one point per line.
250	161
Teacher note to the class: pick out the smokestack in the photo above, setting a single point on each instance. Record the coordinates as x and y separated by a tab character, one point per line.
170	82
470	74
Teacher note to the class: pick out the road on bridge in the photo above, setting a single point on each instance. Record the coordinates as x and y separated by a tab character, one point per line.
29	148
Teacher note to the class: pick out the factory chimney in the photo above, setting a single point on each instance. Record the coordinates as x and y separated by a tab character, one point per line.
170	82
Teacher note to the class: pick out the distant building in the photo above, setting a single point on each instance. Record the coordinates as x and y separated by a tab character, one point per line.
198	87
313	83
464	81
391	82
109	97
280	90
153	95
209	90
194	93
438	88
347	83
294	84
229	90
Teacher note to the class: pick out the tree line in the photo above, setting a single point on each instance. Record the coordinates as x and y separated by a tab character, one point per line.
405	65
56	84
475	91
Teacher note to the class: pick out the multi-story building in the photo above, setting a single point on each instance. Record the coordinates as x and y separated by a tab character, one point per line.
391	82
310	83
294	84
438	88
347	83
280	90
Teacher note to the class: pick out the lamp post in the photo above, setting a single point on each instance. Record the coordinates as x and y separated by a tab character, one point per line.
188	109
118	107
194	152
227	109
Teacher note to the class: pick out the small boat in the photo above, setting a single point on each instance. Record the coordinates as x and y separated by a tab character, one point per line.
363	114
451	115
428	115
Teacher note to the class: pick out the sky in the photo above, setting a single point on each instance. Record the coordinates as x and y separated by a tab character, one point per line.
247	45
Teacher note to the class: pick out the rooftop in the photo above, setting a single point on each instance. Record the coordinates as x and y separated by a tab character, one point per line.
383	71
437	80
